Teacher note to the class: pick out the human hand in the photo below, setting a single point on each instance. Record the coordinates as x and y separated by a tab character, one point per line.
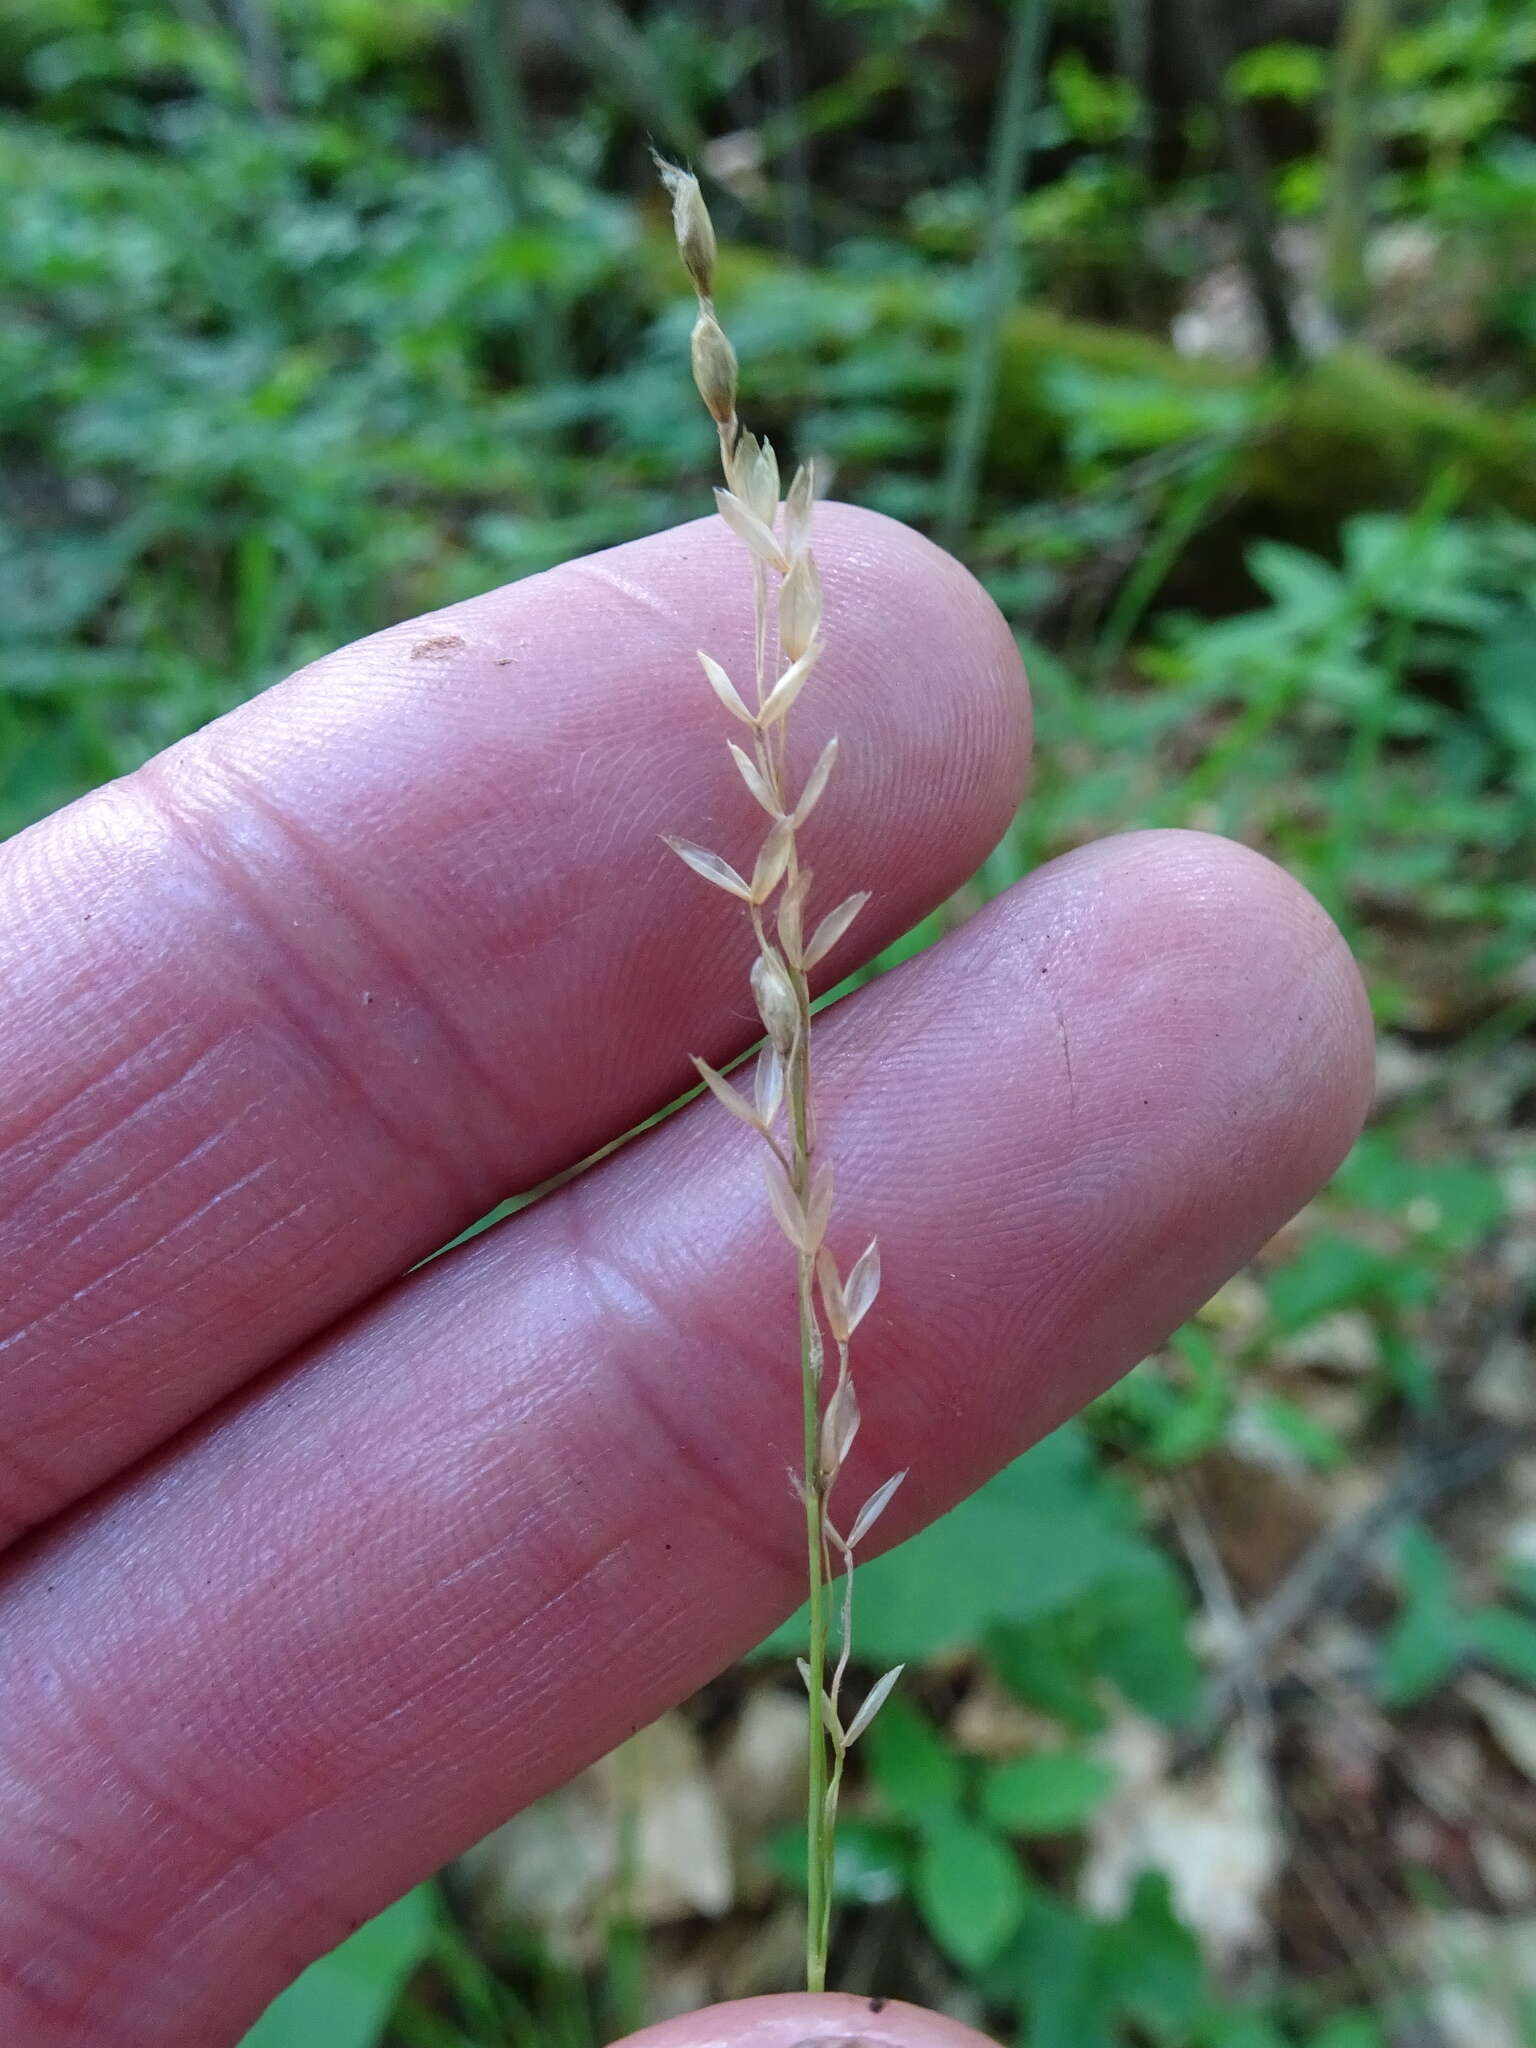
317	1571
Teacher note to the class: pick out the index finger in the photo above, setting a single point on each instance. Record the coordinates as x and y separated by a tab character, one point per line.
302	999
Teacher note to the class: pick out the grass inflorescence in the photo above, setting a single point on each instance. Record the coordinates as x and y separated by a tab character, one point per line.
774	890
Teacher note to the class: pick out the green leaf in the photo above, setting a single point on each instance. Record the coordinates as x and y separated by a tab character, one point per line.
1080	1980
1303	586
1045	1795
1111	415
1243	2027
343	2000
1282	70
917	1773
969	1889
1047	1667
1169	1410
1335	1272
1053	1967
1500	675
1141	1641
1035	1538
1153	1962
1290	1424
1040	1536
1506	1639
1448	1204
1098	107
1132	1630
1349	2030
1424	572
871	1864
1428	1638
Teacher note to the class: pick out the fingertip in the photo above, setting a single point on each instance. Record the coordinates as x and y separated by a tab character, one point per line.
1178	1055
1266	959
934	605
807	2020
931	605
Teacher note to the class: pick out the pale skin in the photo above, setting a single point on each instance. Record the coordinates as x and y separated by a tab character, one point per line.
313	1573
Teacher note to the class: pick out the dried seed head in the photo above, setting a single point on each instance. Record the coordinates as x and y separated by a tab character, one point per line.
799	606
748	528
803	1222
832	1301
799	1179
874	1508
710	865
791	909
788	1210
879	1693
754	476
727	1096
839	1427
768	1085
714	368
772	860
798	505
692	225
818	1206
776	1001
816	782
833	926
725	689
776	704
755	780
863	1284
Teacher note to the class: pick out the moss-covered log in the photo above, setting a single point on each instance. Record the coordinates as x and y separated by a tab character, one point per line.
1346	433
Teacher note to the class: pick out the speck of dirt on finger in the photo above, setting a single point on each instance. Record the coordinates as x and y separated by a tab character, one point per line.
439	643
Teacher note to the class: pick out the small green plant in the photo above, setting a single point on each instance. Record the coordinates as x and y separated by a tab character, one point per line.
780	1110
1437	1632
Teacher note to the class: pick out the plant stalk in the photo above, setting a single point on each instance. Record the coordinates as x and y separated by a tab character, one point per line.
492	74
818	1842
997	268
818	1853
1351	160
1206	53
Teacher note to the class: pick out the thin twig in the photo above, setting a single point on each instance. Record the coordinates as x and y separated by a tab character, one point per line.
1334	1566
